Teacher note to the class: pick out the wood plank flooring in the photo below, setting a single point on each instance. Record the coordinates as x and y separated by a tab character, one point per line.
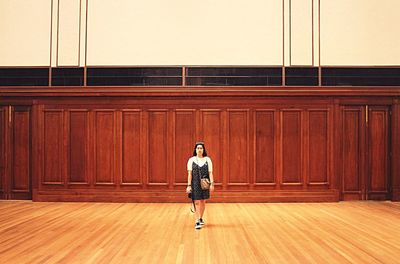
345	232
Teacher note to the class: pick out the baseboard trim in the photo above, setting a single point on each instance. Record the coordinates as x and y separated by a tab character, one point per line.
181	197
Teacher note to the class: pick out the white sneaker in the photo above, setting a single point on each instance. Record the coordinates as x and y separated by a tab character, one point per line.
197	225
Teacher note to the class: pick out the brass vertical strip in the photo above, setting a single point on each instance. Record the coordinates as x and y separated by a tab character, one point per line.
183	76
9	114
84	76
50	75
319	75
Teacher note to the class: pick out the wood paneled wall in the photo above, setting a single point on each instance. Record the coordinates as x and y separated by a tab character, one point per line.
15	157
138	150
264	148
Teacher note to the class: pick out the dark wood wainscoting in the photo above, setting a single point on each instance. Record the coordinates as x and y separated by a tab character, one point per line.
366	152
265	146
15	152
138	150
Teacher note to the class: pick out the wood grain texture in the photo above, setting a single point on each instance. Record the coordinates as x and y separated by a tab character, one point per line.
285	147
3	156
346	232
378	136
20	182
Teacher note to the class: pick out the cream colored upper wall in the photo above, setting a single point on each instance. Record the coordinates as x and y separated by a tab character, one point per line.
185	32
189	32
68	33
301	33
360	32
25	32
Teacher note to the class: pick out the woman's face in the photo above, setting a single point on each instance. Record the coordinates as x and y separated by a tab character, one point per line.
199	150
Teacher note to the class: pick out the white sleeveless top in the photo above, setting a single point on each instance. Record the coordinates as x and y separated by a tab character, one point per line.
200	162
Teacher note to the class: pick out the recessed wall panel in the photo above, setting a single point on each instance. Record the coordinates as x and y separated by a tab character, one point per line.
318	146
105	147
291	147
301	32
131	151
181	32
78	146
53	146
265	146
68	32
158	151
185	129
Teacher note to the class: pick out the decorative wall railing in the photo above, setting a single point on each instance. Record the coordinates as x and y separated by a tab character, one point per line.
200	76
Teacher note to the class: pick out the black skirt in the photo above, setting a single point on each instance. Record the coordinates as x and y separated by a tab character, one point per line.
197	173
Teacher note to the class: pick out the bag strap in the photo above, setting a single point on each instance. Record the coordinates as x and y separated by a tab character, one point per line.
194	206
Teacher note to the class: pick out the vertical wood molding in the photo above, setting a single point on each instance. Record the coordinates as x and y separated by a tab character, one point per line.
395	149
3	153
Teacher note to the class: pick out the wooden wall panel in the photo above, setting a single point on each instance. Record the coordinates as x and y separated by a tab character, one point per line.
291	147
158	148
378	150
53	146
212	131
238	147
131	150
3	140
352	160
105	144
185	138
318	147
265	147
21	151
395	148
78	138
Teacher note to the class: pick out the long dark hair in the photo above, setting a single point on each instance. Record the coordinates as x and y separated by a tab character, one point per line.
204	148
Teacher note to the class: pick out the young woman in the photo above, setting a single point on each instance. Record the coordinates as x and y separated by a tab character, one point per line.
199	166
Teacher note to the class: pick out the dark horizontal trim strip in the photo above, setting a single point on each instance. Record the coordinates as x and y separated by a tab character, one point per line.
360	76
67	76
200	76
234	71
164	76
24	76
301	76
234	81
195	91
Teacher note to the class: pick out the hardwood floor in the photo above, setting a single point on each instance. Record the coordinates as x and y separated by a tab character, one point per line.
345	232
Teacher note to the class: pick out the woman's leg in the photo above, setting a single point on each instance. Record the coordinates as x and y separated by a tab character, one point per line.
197	213
202	208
